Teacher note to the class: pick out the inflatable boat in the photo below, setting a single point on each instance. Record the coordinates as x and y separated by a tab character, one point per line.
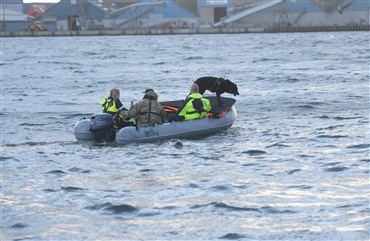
100	127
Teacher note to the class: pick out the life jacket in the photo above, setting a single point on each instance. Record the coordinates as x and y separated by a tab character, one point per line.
108	105
195	107
150	110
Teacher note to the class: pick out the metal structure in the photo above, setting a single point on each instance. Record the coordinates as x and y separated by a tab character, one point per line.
134	11
346	5
327	6
282	19
247	12
299	16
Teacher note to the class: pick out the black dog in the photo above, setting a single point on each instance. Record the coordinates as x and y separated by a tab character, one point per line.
216	85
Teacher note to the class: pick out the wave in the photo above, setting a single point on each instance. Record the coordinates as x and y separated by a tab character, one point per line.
277	145
194	58
346	118
228	188
50	190
293	80
302	187
265	209
293	171
19	225
331	136
111	56
359	146
221	205
57	172
72	189
233	236
303	106
160	63
264	60
254	152
330	127
4	158
364	160
336	169
110	208
323	117
42	143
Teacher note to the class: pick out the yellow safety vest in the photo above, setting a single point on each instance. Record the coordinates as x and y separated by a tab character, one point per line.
108	105
196	107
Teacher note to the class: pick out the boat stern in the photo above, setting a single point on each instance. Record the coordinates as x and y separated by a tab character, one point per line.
82	130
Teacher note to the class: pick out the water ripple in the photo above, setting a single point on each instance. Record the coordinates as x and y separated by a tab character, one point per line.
113	208
294	166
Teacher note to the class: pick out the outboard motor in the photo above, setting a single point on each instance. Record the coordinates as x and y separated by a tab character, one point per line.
102	127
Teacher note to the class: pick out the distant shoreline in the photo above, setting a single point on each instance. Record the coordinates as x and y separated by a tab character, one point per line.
106	32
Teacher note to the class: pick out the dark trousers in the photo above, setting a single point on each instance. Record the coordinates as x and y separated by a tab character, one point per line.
174	117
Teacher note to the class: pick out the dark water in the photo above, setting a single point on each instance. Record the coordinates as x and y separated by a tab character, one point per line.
294	166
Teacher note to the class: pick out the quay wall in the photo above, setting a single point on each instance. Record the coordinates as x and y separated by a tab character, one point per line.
183	31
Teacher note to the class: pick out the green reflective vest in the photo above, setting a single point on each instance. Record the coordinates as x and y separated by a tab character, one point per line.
195	107
108	105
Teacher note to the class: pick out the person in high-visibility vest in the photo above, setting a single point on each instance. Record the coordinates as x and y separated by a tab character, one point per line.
195	106
112	103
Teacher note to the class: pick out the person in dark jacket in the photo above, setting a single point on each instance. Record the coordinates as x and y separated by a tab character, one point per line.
148	111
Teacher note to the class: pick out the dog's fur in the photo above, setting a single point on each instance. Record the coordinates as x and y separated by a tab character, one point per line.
216	85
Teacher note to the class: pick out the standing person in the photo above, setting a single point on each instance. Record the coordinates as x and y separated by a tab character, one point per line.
194	107
148	111
112	103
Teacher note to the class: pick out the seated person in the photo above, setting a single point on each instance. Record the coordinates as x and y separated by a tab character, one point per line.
112	105
194	107
148	111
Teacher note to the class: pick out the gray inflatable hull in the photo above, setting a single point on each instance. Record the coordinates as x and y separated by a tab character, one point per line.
171	130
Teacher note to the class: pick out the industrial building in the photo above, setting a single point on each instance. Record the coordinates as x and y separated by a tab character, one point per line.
75	15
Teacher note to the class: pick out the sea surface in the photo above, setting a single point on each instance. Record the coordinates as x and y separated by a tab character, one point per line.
294	166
